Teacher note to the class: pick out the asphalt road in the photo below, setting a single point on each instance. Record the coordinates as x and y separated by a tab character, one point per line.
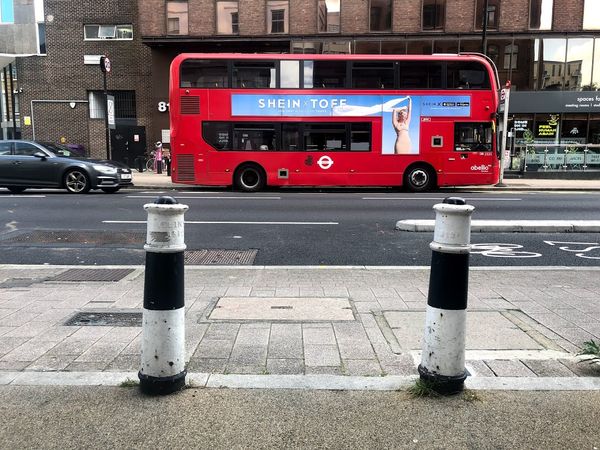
103	417
289	227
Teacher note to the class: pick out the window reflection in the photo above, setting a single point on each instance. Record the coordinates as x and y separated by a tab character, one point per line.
328	16
549	72
227	18
595	85
591	15
540	14
579	64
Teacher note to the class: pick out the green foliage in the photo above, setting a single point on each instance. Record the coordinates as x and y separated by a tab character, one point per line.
129	383
591	351
423	388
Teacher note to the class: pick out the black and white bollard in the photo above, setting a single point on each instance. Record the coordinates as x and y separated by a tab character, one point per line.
163	322
443	357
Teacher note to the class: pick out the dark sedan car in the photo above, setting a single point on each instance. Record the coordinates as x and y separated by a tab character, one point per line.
28	164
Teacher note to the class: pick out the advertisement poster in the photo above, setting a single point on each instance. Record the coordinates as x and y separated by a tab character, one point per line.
401	115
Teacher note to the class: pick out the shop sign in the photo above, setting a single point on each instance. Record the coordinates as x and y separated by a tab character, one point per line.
554	102
547	130
520	125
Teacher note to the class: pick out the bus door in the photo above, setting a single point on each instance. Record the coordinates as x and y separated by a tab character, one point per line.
473	159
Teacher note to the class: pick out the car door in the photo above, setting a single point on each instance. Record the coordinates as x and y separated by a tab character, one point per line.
32	170
5	162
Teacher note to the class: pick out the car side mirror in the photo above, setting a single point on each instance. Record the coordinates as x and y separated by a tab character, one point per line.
40	155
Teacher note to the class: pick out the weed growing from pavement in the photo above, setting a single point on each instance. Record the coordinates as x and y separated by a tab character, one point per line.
591	350
129	383
423	388
470	396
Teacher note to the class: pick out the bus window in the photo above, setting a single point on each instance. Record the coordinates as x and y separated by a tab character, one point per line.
254	74
217	134
473	137
289	72
254	136
467	75
290	137
373	75
204	74
325	74
420	75
360	137
325	137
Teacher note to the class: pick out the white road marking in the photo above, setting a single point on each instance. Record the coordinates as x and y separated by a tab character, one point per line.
226	222
442	198
210	198
22	196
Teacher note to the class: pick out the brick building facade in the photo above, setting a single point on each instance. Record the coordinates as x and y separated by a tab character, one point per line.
55	87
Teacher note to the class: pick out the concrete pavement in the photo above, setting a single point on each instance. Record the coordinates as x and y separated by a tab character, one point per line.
525	326
105	417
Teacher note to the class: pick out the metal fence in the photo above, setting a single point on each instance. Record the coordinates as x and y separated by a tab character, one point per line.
556	158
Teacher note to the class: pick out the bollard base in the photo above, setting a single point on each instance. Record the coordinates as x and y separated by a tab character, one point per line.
161	385
443	384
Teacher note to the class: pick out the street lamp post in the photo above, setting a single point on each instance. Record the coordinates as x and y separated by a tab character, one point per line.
485	26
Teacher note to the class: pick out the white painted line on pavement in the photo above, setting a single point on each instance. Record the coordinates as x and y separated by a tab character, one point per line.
232	197
227	222
305	382
514	226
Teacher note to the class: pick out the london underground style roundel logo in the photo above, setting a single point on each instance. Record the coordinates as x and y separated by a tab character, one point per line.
325	162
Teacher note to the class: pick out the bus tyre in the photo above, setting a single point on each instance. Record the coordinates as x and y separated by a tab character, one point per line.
419	178
249	178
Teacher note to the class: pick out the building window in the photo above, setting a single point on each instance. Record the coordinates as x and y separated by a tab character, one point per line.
540	14
434	14
277	16
493	13
101	32
7	11
177	18
591	15
328	16
227	18
41	38
380	15
511	52
124	104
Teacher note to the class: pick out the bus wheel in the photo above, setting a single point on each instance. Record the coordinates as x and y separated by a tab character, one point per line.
249	178
419	178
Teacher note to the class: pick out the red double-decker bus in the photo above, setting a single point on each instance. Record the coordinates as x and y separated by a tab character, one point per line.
333	120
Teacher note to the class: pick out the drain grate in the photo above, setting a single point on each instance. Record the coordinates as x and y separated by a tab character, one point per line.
104	319
221	257
92	275
77	237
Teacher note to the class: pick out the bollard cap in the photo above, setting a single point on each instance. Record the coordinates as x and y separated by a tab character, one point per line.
455	201
165	200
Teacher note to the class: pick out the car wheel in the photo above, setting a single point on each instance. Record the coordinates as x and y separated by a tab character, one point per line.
249	178
16	189
419	178
77	181
111	190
